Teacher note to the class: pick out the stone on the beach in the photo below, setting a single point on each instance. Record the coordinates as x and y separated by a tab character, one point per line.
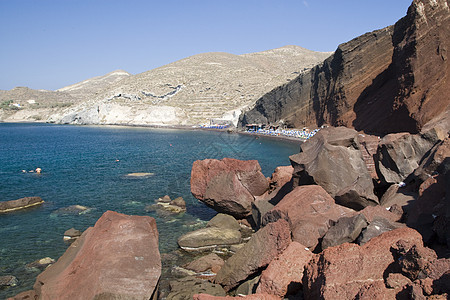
209	238
285	273
117	258
228	185
376	227
346	230
186	288
22	203
71	234
179	202
224	221
343	271
208	262
309	210
264	245
333	160
8	281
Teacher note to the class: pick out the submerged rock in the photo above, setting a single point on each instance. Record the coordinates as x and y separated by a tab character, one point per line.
72	210
22	203
8	281
71	235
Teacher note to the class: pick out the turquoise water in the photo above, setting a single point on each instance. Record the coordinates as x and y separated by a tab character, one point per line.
88	166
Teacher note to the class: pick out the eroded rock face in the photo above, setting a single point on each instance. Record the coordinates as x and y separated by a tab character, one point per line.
333	160
284	271
117	258
228	185
308	209
391	80
348	269
259	251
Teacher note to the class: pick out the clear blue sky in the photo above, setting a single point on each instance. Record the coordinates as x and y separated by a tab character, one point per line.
49	44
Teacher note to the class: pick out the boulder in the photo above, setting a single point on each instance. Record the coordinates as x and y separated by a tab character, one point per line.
186	288
259	251
8	281
402	196
372	212
117	258
377	227
22	203
178	205
72	210
40	264
399	154
228	185
309	210
224	221
397	281
333	160
284	274
341	272
281	176
259	208
346	230
209	238
248	287
209	262
71	235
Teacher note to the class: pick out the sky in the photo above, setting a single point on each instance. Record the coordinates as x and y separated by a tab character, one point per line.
49	44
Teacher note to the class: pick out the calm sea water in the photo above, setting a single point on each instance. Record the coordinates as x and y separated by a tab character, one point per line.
88	166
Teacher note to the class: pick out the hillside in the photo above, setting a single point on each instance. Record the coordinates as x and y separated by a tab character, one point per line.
390	80
194	90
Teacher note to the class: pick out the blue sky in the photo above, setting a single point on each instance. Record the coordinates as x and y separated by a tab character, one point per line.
49	44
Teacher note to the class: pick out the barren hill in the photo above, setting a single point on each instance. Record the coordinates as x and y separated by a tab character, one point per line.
194	90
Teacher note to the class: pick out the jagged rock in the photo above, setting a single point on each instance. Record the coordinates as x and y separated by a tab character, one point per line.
186	288
284	274
259	251
402	196
8	281
208	262
372	212
281	176
389	80
248	287
377	227
375	291
117	258
341	272
22	203
397	281
249	297
399	154
259	208
346	230
309	210
333	160
228	185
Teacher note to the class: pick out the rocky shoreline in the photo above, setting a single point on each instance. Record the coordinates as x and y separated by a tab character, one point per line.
325	219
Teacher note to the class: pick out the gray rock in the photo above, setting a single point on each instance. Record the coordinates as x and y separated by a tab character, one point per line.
22	203
224	221
71	234
209	238
248	287
259	209
333	160
8	281
346	230
398	195
186	288
377	227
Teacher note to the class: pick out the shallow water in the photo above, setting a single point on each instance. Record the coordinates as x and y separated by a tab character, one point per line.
89	166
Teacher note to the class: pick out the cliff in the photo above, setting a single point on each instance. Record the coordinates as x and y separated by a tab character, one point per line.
390	80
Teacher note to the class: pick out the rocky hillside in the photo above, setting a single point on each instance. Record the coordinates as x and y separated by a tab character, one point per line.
390	80
194	90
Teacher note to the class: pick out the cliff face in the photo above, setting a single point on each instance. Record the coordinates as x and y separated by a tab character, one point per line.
390	80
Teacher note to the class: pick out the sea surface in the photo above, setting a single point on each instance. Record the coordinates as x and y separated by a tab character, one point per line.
87	165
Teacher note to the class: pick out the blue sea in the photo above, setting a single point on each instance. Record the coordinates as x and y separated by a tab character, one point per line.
87	165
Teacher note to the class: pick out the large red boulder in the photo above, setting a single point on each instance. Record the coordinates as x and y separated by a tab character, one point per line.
285	270
228	185
117	258
266	244
309	210
343	271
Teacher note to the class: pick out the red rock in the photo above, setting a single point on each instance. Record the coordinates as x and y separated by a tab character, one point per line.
308	209
228	185
397	281
371	212
117	258
27	295
266	244
248	297
281	176
375	291
209	262
340	272
284	270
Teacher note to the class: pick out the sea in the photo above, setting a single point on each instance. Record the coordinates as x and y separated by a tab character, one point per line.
88	166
